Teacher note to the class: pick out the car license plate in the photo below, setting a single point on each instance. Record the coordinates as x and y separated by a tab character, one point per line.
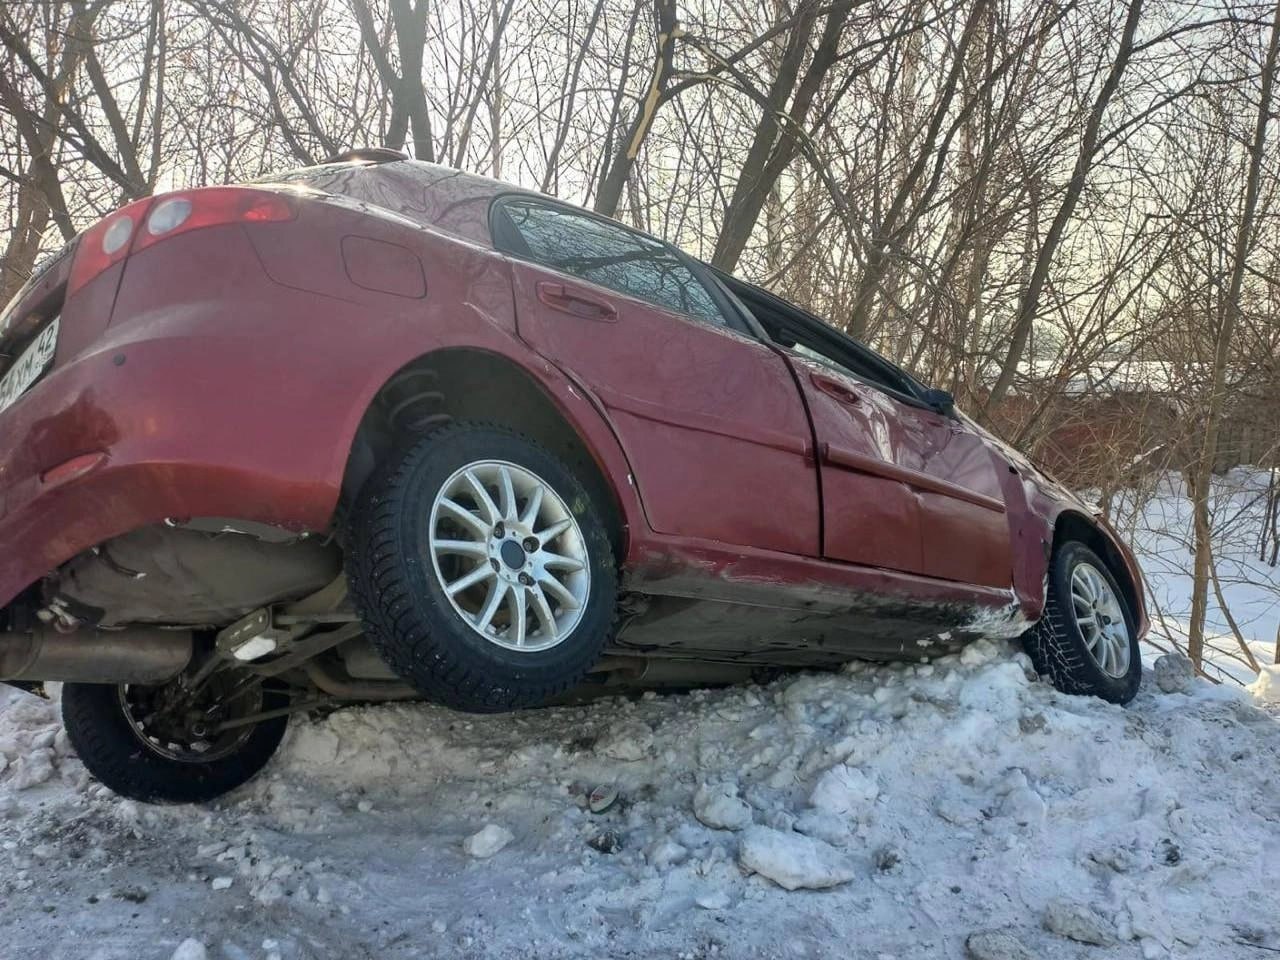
27	369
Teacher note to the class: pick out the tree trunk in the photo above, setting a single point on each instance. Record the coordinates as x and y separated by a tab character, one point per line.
623	161
1222	351
752	188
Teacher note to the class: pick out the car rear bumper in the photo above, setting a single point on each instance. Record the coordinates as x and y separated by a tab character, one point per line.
146	428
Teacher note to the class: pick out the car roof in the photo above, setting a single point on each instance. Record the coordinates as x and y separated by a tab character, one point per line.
446	198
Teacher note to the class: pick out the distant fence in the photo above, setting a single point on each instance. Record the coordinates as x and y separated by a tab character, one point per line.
1088	440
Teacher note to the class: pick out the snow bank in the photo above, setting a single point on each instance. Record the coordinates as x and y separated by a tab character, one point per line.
1266	686
960	799
1158	523
33	746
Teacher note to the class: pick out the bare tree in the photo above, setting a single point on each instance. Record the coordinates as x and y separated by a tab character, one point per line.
1222	356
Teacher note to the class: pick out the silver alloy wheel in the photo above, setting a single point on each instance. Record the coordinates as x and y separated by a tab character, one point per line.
1101	619
509	555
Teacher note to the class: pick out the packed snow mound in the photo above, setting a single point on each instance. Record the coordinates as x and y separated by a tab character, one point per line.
936	803
792	860
33	746
1266	686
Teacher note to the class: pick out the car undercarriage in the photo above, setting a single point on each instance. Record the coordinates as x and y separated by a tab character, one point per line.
181	607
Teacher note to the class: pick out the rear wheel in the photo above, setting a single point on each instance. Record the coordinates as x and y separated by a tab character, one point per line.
163	744
1086	642
482	569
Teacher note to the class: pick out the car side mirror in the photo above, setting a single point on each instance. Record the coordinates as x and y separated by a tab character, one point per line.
940	400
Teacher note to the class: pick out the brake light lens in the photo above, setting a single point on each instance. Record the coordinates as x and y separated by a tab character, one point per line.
132	228
117	235
179	213
168	215
104	244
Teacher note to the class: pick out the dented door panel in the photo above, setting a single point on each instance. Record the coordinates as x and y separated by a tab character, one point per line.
710	419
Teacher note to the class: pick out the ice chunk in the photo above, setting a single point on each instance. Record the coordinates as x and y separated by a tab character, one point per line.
793	861
1077	921
190	949
713	900
665	853
844	790
719	806
487	841
995	945
1174	673
1266	687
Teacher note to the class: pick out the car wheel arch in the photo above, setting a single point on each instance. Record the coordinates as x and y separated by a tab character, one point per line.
1072	525
456	383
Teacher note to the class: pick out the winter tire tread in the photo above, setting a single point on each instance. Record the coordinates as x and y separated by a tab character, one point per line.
420	637
105	741
1057	647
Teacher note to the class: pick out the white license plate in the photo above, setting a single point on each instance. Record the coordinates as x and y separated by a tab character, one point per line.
27	368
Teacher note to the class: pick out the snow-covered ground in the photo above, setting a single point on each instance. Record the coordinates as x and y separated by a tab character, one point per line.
884	812
934	802
1158	522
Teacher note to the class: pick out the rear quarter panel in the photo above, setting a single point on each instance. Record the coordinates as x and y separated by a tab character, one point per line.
233	375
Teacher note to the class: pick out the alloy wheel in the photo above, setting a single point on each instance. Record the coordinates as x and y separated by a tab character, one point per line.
509	555
1101	619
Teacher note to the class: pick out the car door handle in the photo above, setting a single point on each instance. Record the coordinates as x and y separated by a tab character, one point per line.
834	388
559	297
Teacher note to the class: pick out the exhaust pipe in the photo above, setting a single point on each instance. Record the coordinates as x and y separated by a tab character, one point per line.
144	655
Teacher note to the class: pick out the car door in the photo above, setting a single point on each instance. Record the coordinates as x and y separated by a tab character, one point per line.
869	439
903	486
965	526
710	418
871	514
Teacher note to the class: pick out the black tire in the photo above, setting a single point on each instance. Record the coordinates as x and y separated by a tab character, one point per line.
110	748
1057	646
409	619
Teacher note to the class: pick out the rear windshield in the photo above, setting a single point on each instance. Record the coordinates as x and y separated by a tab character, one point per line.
426	193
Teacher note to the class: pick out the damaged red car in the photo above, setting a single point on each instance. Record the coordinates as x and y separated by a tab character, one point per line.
377	429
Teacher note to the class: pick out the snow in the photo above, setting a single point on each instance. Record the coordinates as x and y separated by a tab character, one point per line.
190	949
487	841
938	803
844	791
1079	922
720	807
1157	520
1266	688
1174	673
959	808
995	945
792	860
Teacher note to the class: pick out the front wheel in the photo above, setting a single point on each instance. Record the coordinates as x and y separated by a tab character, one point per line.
482	569
163	744
1086	642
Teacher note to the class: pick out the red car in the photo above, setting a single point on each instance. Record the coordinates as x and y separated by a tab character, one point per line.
378	429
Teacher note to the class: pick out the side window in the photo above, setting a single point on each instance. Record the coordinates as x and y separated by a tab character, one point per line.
790	327
810	353
604	253
868	369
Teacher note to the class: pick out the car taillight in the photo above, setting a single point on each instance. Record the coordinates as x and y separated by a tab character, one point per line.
145	222
105	243
178	213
